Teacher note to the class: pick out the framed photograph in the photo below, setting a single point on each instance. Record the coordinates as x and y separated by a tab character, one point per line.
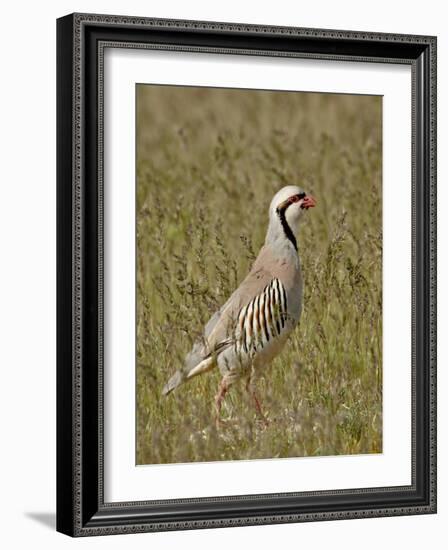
246	274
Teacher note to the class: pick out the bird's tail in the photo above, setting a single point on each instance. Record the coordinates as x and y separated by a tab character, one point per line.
181	376
176	380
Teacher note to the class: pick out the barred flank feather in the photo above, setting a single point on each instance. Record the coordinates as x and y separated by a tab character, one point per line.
263	317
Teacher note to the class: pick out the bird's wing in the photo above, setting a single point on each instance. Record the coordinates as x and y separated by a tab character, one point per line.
219	330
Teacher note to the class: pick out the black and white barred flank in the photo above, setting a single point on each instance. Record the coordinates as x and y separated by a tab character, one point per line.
263	318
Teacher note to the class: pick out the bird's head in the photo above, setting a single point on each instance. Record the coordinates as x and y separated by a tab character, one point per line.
287	210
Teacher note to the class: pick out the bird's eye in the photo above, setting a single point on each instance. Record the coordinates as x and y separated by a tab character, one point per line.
297	198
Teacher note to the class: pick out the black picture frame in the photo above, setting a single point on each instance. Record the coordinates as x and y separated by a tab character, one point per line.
81	510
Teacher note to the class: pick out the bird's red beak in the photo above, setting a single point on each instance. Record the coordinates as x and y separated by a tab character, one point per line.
308	202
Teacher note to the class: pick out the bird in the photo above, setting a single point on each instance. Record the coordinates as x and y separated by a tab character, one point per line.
252	327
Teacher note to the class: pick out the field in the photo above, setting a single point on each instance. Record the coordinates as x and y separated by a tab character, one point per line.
208	163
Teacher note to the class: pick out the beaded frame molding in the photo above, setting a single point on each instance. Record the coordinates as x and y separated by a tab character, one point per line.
81	39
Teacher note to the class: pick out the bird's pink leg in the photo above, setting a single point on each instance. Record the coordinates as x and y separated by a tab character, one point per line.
251	390
223	387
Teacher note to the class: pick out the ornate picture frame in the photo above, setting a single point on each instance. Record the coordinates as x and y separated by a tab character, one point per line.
81	506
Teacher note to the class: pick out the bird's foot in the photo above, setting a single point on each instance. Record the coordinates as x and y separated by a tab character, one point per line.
222	423
263	420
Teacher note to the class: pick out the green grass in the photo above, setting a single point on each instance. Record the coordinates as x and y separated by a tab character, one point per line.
208	163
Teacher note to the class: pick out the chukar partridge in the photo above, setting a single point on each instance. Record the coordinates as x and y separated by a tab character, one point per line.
252	327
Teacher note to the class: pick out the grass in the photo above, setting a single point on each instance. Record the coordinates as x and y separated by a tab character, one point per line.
208	163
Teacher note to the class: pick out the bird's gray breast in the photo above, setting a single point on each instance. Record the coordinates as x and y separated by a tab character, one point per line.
295	295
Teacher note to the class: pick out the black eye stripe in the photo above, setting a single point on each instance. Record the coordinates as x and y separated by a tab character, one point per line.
287	230
296	198
281	212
